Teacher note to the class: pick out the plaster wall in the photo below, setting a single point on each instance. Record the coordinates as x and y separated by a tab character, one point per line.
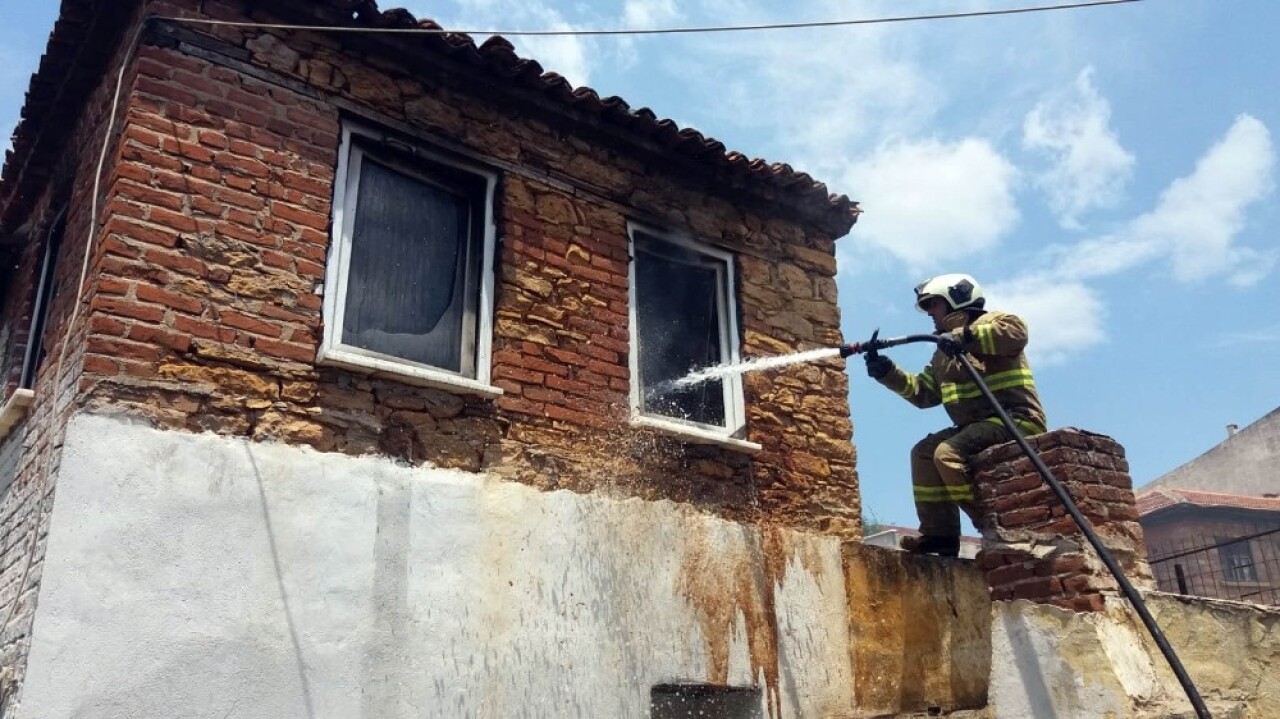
201	575
1050	662
1247	462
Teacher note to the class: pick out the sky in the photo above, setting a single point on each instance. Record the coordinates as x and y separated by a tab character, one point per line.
1107	173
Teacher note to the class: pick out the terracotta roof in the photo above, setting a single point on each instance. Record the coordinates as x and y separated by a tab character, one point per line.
76	56
1159	499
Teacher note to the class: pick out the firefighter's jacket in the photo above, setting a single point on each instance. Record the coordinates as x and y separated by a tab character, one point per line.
996	352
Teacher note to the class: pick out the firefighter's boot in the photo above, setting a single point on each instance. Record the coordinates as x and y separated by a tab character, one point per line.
929	544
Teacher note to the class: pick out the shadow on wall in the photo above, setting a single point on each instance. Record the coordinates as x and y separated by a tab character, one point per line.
284	594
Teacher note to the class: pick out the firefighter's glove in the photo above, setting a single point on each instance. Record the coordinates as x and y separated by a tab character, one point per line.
951	343
878	365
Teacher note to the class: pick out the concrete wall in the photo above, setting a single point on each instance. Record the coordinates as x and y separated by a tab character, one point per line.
1050	662
195	575
1247	462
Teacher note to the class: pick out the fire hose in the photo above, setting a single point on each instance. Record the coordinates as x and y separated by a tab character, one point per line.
872	346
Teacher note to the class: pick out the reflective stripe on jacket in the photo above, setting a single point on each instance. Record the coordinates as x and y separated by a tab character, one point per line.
996	352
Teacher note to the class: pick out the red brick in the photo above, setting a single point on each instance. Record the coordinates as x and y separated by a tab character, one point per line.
509	403
120	348
97	364
128	308
610	370
1008	574
184	303
149	195
249	324
160	336
203	328
281	313
304	218
143	233
518	374
287	350
107	325
185	264
1023	517
1037	588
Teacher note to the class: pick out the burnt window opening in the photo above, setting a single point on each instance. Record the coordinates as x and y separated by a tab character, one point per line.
704	701
46	290
684	321
409	278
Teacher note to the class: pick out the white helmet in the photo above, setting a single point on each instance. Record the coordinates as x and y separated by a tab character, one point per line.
958	290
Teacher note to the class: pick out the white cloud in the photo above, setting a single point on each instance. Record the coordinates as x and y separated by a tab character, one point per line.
1089	167
821	95
1196	219
1193	227
1063	317
928	202
649	13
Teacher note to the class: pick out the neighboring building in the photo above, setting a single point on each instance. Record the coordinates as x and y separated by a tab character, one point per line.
890	536
431	284
1247	462
1208	544
1213	524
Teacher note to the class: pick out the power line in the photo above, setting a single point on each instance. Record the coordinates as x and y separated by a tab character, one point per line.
653	31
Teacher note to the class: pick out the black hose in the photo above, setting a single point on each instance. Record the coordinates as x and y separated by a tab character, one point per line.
1197	703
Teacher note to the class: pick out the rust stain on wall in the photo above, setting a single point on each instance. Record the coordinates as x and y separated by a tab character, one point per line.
723	575
920	631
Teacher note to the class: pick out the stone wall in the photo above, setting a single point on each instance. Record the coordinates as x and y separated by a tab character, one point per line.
1033	548
205	314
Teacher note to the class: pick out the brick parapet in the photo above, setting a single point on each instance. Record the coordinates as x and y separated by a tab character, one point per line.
1032	547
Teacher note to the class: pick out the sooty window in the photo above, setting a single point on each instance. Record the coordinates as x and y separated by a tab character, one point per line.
683	319
409	285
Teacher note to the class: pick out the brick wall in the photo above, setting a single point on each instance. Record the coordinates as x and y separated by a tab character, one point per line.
1188	535
1032	547
31	452
204	315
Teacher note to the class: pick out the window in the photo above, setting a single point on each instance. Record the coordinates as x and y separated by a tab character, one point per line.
683	319
36	351
13	407
1237	562
409	283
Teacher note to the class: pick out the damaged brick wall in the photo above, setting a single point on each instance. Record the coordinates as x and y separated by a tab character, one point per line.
32	451
204	315
1033	548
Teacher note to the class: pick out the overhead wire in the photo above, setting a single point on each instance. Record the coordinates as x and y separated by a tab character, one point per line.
652	31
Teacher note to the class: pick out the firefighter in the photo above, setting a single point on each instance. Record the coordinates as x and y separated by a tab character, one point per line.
994	342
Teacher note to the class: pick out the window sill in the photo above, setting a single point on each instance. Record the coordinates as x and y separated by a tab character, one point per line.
696	434
14	410
420	376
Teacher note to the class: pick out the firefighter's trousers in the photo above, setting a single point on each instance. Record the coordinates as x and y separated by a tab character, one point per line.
940	476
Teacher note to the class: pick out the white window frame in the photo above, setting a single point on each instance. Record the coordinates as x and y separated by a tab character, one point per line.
734	403
332	350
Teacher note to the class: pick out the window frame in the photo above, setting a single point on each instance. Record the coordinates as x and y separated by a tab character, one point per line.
731	434
15	406
332	350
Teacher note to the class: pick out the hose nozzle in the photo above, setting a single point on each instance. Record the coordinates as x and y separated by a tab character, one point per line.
869	347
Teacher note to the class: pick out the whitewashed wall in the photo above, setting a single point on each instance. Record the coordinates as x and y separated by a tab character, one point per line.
202	576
